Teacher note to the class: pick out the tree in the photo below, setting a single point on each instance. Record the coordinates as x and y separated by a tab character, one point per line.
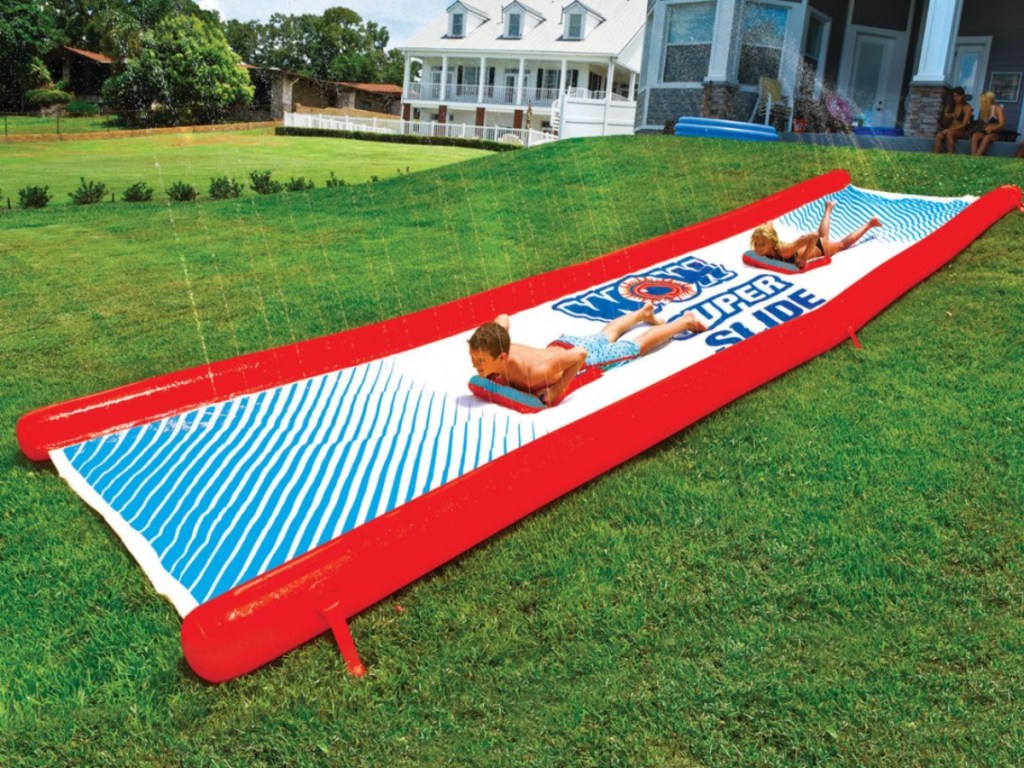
26	33
365	59
335	46
186	68
244	38
89	24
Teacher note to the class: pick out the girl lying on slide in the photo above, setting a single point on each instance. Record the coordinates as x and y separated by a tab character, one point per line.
765	241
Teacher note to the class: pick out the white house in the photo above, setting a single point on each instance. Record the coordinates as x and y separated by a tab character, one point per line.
892	61
493	63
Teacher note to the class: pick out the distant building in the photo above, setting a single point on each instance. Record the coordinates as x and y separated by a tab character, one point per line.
893	61
489	63
84	71
286	90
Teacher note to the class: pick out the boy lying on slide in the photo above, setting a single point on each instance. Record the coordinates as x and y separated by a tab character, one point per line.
547	372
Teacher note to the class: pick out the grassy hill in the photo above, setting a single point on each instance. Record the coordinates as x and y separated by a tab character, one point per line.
829	570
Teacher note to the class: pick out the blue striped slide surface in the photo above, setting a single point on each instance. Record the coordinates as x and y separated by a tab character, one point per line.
904	219
229	491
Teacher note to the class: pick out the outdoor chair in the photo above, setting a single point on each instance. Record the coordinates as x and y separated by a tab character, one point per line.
770	102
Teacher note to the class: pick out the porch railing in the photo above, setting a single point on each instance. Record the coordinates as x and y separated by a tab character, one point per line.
529	138
499	94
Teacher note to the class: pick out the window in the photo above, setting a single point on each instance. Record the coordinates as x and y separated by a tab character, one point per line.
575	29
458	25
515	25
688	33
815	45
762	38
548	83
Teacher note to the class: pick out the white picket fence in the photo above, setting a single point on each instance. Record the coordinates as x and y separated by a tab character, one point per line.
528	138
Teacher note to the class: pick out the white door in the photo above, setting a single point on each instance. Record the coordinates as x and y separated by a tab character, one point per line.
970	64
511	85
873	78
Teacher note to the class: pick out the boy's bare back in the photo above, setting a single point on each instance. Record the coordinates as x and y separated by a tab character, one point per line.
532	369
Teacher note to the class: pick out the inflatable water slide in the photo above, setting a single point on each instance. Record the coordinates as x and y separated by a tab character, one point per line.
273	496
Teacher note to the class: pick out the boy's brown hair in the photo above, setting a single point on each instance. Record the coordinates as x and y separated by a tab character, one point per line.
490	338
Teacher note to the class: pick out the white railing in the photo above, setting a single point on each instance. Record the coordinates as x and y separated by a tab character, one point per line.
526	137
500	94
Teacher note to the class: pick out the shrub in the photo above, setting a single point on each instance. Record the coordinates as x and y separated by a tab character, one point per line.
40	97
262	184
334	182
139	192
299	185
88	192
223	188
180	192
82	109
397	138
34	197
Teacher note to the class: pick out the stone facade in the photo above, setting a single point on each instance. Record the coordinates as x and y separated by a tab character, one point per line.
720	101
924	109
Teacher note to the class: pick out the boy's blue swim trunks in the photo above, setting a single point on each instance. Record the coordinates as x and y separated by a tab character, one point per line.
601	352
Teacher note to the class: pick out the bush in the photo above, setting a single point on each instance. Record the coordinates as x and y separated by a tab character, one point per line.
82	109
88	192
396	138
34	197
262	184
41	97
299	185
139	192
223	188
180	192
334	182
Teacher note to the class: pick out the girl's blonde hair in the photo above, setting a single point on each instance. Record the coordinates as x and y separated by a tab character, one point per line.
985	102
766	232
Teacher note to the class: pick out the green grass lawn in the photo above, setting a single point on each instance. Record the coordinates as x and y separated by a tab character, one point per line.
829	571
196	158
29	126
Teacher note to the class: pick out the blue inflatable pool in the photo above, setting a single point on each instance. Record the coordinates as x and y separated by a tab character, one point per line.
725	129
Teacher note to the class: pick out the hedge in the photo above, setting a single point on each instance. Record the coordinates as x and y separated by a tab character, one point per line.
397	138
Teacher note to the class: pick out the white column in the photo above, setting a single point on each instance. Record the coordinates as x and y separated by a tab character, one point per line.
938	41
405	77
562	85
610	79
723	41
520	81
632	86
483	79
444	79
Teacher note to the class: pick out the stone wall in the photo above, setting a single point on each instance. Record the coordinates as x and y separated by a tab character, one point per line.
720	101
924	109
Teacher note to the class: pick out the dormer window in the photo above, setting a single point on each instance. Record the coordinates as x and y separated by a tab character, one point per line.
514	28
458	26
463	19
574	29
519	20
578	20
